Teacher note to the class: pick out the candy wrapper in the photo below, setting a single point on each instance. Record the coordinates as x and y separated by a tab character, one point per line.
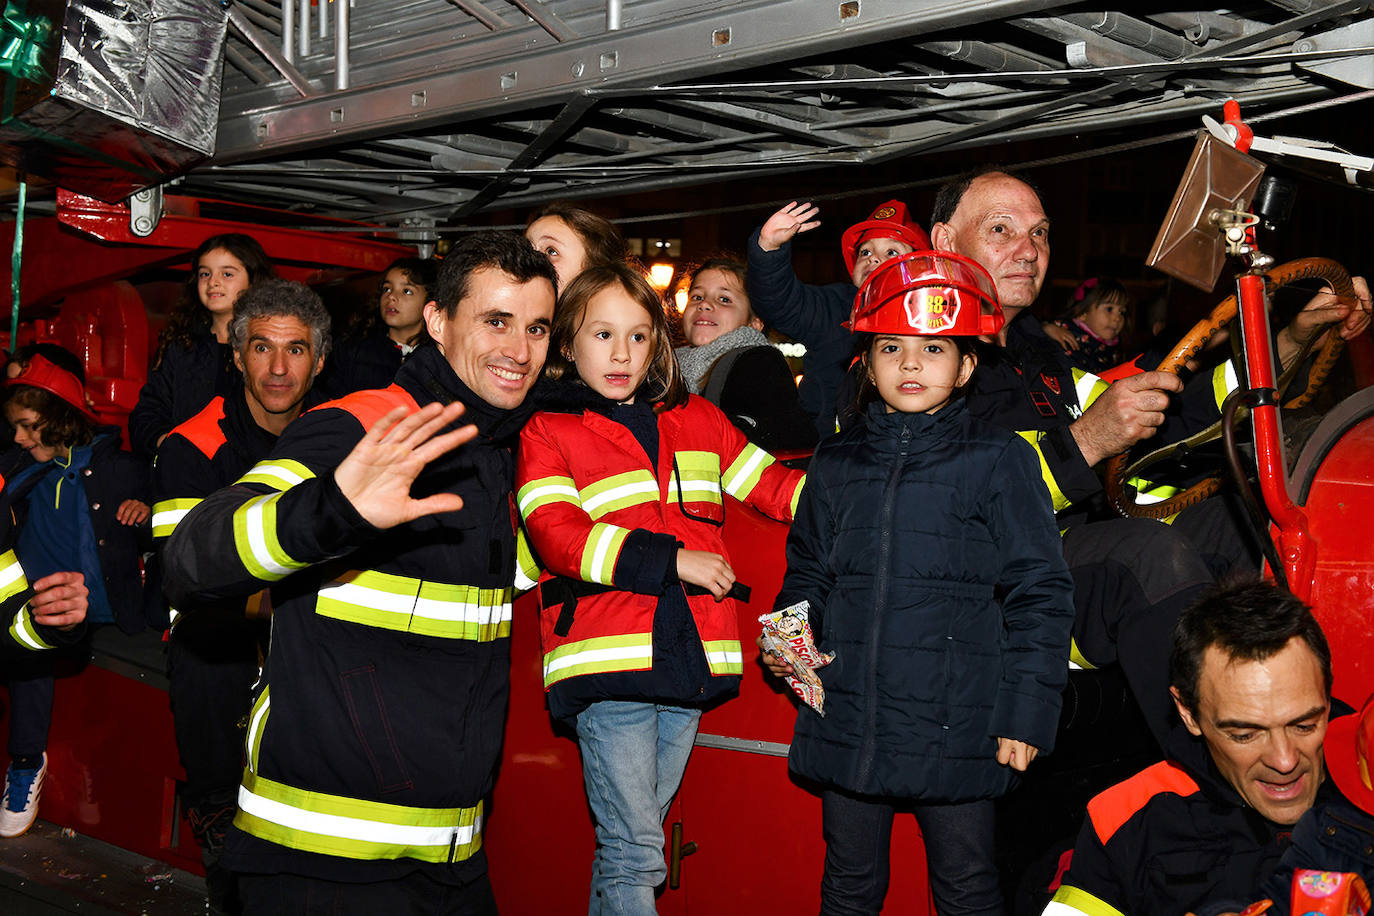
1329	893
787	633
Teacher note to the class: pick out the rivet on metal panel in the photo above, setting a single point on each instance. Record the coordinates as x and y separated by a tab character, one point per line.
720	37
508	81
263	130
610	60
849	10
417	99
578	68
336	115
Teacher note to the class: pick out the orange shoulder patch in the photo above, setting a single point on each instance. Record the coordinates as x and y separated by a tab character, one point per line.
1115	806
371	406
203	430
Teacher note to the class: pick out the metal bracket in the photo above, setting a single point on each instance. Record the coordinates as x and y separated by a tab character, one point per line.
145	211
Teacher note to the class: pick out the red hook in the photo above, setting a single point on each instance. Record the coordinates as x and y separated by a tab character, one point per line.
1230	113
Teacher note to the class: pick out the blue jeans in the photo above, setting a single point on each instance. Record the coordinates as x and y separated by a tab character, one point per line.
633	758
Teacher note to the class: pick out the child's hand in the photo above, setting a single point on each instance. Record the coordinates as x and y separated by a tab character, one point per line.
787	222
709	570
1015	754
1062	334
59	600
132	512
775	663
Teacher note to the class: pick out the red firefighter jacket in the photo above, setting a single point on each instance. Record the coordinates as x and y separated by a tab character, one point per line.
585	488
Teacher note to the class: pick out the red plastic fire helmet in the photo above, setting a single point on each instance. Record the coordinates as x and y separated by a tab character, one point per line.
929	293
891	220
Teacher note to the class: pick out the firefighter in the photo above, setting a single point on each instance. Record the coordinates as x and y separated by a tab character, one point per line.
375	730
280	338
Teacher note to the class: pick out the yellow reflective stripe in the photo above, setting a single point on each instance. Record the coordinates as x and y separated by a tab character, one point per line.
1088	387
279	473
545	490
392	602
526	569
12	579
601	552
632	652
25	632
619	491
697	478
257	724
168	513
1147	493
1057	497
355	828
1076	657
255	536
796	495
744	472
1074	901
1224	381
724	656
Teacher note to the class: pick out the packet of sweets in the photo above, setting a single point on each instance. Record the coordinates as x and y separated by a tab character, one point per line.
1329	893
787	634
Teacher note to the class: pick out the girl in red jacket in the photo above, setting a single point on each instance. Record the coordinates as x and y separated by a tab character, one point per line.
620	479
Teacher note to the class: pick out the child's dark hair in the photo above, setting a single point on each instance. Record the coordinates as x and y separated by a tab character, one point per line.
189	318
1094	290
663	384
867	392
419	271
60	425
601	238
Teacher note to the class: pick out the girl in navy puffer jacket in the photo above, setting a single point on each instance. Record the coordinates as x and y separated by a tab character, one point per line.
926	546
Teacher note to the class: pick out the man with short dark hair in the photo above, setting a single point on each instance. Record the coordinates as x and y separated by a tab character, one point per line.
280	338
376	728
1251	680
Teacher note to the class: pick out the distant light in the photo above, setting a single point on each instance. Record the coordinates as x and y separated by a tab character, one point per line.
660	275
680	299
794	350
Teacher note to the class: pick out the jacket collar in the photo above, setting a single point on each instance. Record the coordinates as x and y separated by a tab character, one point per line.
882	423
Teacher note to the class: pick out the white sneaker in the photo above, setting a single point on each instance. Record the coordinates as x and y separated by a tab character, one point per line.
19	805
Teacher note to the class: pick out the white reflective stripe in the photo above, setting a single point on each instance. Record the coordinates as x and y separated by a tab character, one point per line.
466	611
617	653
371	598
1056	908
10	574
287	476
352	828
1083	387
1232	381
737	480
24	632
254	729
523	582
628	489
1146	498
256	527
173	615
603	546
558	489
1075	666
724	658
171	517
695	486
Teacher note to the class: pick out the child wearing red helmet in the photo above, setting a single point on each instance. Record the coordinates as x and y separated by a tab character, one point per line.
927	552
814	315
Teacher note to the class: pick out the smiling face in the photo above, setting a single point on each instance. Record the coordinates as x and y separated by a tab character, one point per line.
27	423
917	374
1264	722
871	252
1000	224
1105	318
614	345
220	277
402	305
497	337
563	247
279	364
716	304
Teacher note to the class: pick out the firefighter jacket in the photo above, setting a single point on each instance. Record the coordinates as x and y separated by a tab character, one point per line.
376	729
22	634
927	551
182	382
1168	840
598	512
209	451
